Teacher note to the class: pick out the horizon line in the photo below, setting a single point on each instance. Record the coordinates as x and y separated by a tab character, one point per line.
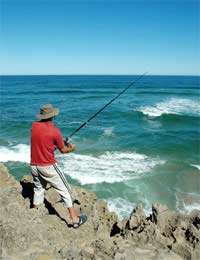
186	75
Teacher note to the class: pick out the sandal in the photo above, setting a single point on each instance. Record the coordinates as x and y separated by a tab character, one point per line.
81	221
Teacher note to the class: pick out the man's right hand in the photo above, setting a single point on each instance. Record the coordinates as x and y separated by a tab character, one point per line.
68	149
72	147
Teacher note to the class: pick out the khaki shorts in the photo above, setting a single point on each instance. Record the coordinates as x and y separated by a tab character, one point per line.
53	175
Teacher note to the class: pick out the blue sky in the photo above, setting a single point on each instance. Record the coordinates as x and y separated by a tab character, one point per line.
99	37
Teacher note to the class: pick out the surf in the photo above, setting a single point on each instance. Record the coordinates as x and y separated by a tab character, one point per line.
109	167
177	106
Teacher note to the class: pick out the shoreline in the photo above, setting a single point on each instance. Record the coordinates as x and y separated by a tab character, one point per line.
46	233
184	203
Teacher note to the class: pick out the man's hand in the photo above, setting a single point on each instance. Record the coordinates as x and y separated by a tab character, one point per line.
68	149
72	147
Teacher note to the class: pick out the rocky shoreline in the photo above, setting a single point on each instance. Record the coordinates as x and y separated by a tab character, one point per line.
47	233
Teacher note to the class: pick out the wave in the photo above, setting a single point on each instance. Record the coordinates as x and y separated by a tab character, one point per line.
73	122
196	166
96	92
120	206
177	106
52	92
17	153
108	131
158	93
172	87
187	202
124	208
109	167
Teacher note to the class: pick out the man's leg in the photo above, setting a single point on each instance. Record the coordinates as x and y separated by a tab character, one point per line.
73	214
39	187
53	175
64	189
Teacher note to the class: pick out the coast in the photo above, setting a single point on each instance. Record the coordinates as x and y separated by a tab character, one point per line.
46	233
142	149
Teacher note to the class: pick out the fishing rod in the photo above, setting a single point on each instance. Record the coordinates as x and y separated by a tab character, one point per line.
68	139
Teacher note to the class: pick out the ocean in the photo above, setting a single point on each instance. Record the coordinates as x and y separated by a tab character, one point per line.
143	148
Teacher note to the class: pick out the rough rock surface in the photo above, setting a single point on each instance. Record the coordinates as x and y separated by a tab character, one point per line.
47	234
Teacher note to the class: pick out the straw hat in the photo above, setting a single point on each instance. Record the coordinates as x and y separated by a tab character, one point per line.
47	111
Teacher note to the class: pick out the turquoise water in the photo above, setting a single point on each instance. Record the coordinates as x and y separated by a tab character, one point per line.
143	148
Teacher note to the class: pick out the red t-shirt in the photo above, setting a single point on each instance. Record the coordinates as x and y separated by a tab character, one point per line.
45	137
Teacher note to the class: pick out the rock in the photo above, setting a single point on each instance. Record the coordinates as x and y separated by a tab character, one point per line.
88	252
165	219
46	233
195	216
137	218
195	254
157	211
183	250
168	256
165	229
179	235
45	256
5	176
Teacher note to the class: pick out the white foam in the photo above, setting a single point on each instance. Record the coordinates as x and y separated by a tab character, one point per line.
124	208
178	106
121	207
196	166
108	131
186	202
17	153
73	122
109	167
190	208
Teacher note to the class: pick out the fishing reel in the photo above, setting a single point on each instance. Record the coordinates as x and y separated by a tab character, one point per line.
67	141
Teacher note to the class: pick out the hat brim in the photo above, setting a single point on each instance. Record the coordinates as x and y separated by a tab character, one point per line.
55	112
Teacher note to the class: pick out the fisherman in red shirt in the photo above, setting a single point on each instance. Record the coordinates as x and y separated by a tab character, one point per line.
45	138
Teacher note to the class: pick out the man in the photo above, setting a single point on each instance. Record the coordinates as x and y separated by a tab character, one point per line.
45	138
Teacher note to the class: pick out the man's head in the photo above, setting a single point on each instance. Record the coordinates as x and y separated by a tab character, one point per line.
47	111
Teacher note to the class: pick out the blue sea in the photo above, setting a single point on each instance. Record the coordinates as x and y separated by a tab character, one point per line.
143	148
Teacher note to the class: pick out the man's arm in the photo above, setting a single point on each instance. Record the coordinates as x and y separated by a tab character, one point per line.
68	149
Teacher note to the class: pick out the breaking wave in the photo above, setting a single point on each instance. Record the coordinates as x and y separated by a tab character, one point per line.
179	106
196	166
187	202
124	208
109	167
17	153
